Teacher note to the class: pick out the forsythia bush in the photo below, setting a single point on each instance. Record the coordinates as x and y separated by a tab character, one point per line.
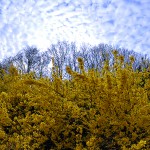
107	110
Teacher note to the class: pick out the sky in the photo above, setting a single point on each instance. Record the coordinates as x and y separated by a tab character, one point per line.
40	23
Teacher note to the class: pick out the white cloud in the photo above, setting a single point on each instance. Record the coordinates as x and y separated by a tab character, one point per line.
124	23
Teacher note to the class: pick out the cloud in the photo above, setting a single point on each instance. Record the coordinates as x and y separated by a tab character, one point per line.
124	23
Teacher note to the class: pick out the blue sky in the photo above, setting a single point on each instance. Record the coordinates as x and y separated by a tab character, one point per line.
125	23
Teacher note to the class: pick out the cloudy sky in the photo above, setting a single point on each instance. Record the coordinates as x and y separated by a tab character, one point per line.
125	23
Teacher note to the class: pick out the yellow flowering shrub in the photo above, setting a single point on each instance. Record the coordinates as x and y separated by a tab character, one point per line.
91	111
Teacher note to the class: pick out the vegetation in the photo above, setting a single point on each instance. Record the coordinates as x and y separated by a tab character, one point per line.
65	54
103	107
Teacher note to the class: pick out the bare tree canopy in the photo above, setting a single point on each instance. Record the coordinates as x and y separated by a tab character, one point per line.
66	54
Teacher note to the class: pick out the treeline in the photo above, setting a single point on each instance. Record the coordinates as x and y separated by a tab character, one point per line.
66	54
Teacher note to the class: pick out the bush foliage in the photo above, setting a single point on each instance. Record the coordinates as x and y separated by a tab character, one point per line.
107	110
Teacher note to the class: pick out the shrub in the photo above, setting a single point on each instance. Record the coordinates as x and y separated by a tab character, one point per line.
93	110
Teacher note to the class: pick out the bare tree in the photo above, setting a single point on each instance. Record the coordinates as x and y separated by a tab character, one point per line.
32	58
59	51
66	54
6	63
18	61
42	68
